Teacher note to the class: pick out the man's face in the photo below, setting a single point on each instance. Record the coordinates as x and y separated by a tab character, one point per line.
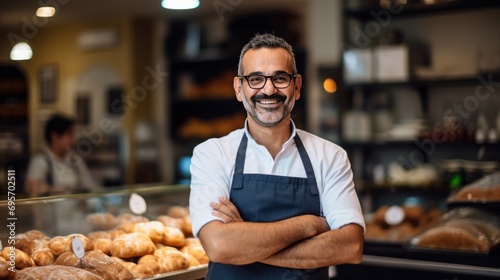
267	106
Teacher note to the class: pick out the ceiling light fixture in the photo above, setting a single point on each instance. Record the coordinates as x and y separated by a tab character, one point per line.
45	12
21	51
180	4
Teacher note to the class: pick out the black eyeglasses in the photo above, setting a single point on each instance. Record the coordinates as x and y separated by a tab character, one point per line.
279	81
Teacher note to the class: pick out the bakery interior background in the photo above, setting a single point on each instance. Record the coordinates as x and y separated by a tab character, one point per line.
122	68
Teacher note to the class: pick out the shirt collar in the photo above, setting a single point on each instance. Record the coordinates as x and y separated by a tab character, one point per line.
292	124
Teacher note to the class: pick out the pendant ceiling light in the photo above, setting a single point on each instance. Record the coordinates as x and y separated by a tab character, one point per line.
180	4
21	51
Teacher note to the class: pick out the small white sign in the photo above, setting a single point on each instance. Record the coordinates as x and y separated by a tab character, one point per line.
137	204
78	248
394	215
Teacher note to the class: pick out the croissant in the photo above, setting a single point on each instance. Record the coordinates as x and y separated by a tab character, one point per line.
21	259
132	245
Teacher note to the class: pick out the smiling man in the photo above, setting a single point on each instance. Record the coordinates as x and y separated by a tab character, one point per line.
271	201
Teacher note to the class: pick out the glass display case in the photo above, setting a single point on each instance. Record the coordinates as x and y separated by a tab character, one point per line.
70	214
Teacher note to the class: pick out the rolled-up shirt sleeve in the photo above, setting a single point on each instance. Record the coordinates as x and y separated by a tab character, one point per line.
209	182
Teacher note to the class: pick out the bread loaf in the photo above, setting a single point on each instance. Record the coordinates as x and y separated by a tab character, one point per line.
21	259
132	245
139	270
43	257
98	263
55	272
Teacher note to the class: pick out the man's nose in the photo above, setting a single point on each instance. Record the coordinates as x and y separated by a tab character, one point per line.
269	87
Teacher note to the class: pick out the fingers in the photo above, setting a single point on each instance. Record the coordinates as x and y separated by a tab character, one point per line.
226	210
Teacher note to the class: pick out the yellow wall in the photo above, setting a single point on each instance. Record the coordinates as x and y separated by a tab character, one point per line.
57	45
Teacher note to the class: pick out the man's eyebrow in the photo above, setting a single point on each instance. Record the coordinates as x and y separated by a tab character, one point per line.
262	73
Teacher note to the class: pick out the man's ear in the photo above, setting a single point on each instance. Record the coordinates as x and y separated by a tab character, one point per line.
237	88
297	86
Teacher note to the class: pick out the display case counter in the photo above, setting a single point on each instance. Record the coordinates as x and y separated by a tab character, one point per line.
394	261
88	213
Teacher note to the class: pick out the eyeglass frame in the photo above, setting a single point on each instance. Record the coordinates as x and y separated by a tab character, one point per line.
292	77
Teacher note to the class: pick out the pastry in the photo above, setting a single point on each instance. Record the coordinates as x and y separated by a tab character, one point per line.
151	261
21	259
139	270
35	244
174	237
186	226
23	238
102	221
154	229
43	257
196	251
178	211
60	244
5	273
171	260
103	245
132	245
170	221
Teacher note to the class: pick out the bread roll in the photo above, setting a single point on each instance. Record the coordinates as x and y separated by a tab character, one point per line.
192	241
55	272
59	245
139	270
154	229
23	238
106	234
192	261
196	251
96	262
103	245
178	211
43	257
5	273
22	260
174	237
87	243
171	260
132	245
170	221
150	261
102	221
186	226
34	245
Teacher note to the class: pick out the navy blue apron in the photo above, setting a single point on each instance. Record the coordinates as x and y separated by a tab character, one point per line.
269	198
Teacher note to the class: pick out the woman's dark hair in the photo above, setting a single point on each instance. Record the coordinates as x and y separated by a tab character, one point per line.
59	124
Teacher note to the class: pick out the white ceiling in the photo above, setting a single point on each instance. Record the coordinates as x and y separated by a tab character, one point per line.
15	13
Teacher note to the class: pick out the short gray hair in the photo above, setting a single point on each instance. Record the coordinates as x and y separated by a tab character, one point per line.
267	41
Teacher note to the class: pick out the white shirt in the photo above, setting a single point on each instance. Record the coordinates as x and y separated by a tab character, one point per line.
68	173
212	168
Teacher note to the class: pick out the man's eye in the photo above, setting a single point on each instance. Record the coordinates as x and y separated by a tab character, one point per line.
280	78
255	79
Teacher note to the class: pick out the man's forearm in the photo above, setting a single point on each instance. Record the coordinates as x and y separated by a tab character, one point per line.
247	242
334	247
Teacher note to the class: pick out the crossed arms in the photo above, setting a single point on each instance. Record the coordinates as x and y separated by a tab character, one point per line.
299	242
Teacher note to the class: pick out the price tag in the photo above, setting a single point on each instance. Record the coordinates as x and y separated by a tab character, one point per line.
394	215
77	247
137	204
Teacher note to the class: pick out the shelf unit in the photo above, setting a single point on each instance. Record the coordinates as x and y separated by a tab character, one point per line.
366	155
14	151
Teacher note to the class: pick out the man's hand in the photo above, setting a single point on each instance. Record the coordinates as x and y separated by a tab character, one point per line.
226	210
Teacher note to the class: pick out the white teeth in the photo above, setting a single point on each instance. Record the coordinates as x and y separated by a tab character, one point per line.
268	101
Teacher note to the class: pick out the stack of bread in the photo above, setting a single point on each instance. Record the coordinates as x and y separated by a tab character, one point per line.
133	247
464	229
415	218
484	190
